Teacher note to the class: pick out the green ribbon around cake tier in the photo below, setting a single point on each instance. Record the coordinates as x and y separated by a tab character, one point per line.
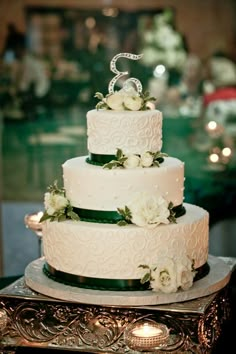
93	283
107	284
100	160
112	217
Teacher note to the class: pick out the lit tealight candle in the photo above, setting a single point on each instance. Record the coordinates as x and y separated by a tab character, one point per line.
146	335
146	331
36	217
32	221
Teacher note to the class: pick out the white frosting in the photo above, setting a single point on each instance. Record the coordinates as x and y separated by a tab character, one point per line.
133	132
92	187
111	251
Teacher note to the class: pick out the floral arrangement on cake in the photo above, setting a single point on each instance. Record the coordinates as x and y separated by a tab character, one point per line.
147	211
144	210
57	206
147	159
170	274
126	99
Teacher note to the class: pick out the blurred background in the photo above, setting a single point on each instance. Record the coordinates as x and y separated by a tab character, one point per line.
54	56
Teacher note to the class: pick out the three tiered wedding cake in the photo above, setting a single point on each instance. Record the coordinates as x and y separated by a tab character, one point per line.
120	222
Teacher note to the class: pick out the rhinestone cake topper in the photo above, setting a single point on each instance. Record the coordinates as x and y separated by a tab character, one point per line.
119	74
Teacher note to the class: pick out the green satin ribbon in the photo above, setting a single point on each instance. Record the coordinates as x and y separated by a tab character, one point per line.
93	283
112	217
100	160
99	216
107	284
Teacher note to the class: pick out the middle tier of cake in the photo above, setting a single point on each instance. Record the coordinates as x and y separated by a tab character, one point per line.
91	187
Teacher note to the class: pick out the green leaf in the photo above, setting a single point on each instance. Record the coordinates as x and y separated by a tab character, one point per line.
44	217
171	217
108	165
101	105
54	189
128	213
73	215
146	278
99	96
144	266
121	212
156	163
119	154
61	217
122	223
69	208
111	164
151	99
163	154
122	160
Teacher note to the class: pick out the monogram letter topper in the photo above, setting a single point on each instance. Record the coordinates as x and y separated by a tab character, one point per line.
119	74
130	97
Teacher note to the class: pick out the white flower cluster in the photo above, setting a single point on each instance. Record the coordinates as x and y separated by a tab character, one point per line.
124	100
149	210
145	160
171	274
57	206
54	203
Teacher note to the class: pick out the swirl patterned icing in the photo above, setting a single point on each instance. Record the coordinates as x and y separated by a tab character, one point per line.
98	250
133	132
110	251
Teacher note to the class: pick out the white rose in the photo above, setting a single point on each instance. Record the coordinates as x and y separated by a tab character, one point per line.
115	101
146	159
128	90
54	202
132	161
149	211
164	276
134	103
185	274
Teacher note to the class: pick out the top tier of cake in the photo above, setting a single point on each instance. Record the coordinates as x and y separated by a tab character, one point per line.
132	132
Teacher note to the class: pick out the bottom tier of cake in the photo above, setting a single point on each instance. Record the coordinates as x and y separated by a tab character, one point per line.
86	253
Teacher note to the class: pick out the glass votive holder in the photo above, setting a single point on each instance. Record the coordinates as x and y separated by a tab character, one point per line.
146	335
32	222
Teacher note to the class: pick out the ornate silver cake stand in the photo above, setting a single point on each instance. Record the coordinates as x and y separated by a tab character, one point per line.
35	279
29	318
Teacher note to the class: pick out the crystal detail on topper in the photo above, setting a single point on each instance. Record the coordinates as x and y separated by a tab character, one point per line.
119	74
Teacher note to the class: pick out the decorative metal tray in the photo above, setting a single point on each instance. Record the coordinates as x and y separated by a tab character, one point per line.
31	319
